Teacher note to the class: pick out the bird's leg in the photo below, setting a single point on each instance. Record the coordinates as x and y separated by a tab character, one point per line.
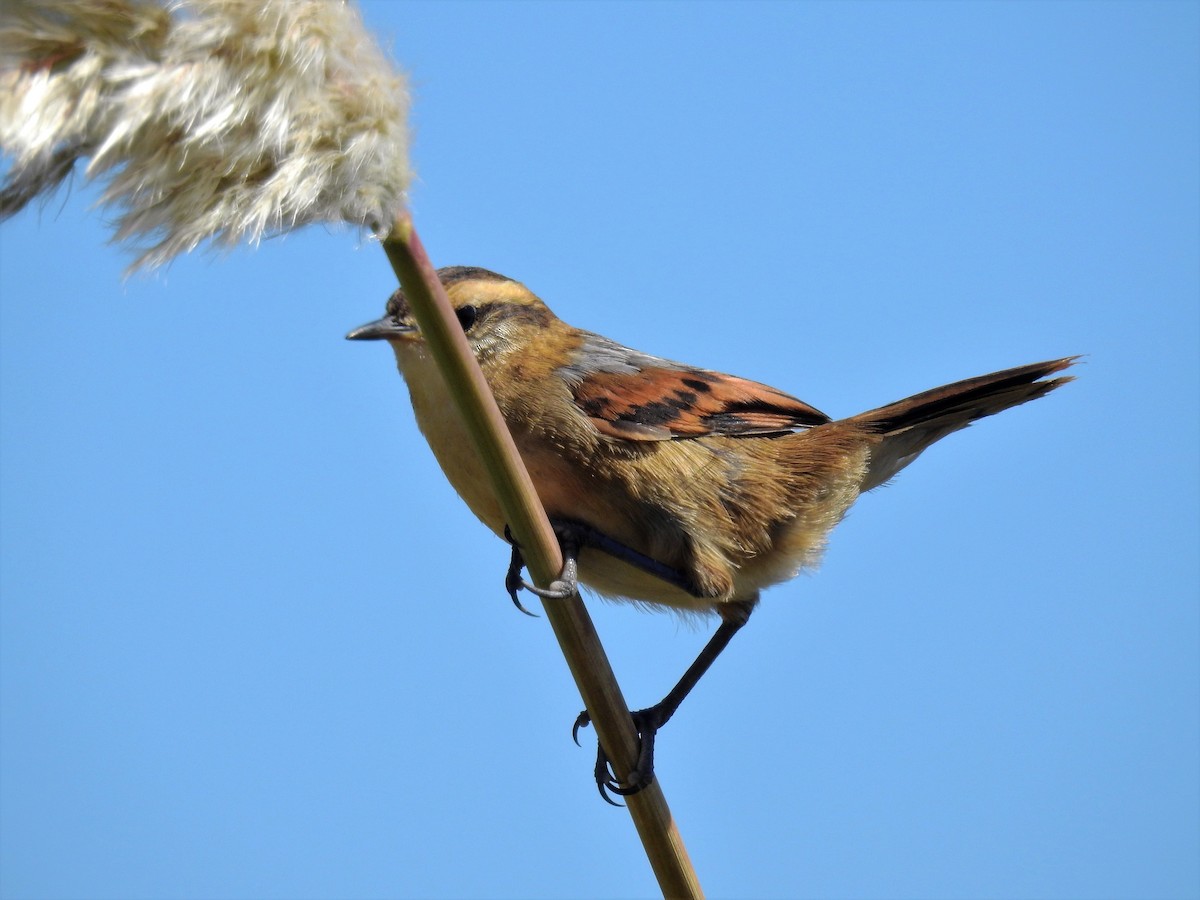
590	537
572	537
649	720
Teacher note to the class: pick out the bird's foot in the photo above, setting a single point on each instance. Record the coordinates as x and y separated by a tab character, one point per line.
562	587
646	722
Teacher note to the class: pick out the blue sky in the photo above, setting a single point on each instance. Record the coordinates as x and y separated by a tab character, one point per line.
252	645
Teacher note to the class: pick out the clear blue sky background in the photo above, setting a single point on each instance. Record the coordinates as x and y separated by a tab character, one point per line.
253	646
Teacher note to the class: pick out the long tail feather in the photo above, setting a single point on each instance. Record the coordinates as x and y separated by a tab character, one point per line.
909	426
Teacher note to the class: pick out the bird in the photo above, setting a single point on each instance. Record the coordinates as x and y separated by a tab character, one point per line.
668	485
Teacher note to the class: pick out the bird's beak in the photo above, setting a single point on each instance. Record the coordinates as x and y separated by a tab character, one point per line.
383	329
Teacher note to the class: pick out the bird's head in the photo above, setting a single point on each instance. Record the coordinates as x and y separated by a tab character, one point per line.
496	314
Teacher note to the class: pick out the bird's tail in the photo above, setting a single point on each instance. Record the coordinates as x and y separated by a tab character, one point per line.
909	426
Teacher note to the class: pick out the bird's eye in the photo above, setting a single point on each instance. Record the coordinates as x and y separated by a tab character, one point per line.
466	316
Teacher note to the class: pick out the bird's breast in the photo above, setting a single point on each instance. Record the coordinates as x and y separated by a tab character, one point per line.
446	432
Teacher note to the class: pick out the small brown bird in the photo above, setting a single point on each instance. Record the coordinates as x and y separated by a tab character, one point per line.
667	484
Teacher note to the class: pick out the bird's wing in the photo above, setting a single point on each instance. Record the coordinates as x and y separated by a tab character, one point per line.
633	396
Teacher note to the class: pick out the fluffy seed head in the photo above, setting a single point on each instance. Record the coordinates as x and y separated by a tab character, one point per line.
209	119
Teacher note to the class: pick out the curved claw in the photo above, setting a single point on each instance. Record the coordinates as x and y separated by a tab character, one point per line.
605	782
638	782
512	585
583	720
517	603
512	579
647	722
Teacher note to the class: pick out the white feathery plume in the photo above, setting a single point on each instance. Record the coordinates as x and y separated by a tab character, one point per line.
209	119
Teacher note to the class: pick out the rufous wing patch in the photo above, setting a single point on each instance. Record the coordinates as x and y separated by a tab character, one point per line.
662	404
